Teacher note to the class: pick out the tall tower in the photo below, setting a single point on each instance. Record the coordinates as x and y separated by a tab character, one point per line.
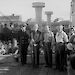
72	15
49	13
38	10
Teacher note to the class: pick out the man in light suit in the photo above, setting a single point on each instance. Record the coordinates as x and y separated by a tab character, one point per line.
48	43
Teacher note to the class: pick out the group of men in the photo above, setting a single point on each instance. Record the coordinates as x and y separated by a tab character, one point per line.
35	38
59	43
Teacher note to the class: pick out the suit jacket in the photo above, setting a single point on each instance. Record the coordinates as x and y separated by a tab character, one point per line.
23	38
36	36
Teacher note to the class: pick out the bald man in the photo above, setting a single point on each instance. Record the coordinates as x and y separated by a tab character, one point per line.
35	36
61	38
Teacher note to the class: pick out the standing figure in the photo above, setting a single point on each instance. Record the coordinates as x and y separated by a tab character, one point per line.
71	54
23	38
35	40
48	43
71	32
61	38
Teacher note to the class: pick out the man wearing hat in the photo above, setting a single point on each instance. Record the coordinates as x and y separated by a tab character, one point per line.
71	44
61	38
71	53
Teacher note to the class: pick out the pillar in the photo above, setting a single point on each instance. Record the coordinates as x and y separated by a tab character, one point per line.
73	19
38	11
73	12
49	13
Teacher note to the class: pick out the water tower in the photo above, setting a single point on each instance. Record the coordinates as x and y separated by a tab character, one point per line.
38	11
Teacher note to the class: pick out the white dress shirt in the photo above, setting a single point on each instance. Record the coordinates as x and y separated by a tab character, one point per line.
61	37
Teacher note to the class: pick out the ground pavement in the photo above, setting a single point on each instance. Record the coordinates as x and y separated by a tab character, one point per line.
9	67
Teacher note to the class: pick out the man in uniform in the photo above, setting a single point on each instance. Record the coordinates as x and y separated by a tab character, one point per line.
61	39
48	43
23	44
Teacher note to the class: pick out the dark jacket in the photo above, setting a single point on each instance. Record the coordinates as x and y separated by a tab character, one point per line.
72	39
36	36
23	38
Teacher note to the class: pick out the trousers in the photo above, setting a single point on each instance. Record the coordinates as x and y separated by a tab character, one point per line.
60	55
23	53
48	54
36	54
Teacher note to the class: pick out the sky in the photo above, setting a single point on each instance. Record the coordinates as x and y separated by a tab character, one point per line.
60	8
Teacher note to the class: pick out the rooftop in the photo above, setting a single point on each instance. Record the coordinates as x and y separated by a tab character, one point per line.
38	4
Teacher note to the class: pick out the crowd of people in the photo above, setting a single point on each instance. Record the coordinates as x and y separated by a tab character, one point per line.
33	39
6	39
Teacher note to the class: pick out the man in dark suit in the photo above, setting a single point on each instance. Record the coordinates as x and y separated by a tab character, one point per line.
36	38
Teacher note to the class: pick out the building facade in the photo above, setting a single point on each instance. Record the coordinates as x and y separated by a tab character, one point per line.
11	19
